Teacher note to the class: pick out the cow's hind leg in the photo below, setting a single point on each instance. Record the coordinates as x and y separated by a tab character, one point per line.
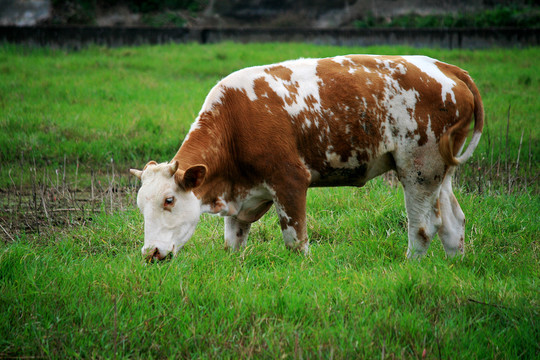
236	232
452	231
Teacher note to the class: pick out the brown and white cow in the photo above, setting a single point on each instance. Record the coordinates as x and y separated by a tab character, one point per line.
266	134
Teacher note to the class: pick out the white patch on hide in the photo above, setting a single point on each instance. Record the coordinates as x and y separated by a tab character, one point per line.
213	98
303	77
281	213
340	59
289	236
429	67
400	104
334	160
194	126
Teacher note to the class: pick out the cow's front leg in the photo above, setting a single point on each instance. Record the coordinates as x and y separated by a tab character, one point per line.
452	231
423	217
291	209
236	232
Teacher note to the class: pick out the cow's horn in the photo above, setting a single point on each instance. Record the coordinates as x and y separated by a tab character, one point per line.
137	173
173	167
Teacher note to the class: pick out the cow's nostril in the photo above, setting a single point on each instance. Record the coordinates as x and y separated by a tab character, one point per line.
155	254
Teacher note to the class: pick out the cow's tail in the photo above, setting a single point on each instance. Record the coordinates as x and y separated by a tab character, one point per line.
447	146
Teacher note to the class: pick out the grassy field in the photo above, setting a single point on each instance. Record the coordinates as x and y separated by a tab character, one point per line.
71	123
133	104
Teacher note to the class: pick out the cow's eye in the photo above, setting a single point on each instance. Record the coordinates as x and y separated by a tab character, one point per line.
169	201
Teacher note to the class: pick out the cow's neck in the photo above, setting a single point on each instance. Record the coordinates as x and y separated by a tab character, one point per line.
206	144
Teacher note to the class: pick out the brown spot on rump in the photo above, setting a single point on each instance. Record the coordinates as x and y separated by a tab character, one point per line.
430	110
423	237
443	115
453	117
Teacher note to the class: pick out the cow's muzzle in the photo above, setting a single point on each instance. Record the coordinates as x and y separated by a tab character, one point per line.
157	255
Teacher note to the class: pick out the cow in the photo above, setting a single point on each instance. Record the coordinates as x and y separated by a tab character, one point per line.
265	134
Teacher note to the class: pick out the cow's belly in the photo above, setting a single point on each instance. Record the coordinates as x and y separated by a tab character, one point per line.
352	175
255	204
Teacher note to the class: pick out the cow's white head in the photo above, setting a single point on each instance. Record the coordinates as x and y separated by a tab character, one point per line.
170	208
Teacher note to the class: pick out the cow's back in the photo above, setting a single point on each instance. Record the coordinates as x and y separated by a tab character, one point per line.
340	116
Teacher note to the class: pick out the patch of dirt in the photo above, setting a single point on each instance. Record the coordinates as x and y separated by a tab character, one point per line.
40	207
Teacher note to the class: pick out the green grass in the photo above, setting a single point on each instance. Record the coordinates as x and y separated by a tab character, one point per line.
85	291
88	293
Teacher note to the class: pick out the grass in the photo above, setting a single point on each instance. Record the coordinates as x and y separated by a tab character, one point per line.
86	292
77	286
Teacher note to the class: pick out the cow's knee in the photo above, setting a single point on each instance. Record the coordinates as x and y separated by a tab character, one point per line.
236	233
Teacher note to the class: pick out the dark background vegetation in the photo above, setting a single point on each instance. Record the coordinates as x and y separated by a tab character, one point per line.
304	13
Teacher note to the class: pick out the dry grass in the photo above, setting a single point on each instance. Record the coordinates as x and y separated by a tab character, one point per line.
57	199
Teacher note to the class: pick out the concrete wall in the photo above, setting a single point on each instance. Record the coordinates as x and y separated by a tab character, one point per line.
77	37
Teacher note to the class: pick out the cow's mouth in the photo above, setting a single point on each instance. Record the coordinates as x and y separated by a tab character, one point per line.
155	255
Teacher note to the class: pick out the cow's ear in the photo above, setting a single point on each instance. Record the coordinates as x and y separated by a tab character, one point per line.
192	178
150	163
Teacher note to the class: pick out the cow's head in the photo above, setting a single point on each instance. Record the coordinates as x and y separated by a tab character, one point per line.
170	208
